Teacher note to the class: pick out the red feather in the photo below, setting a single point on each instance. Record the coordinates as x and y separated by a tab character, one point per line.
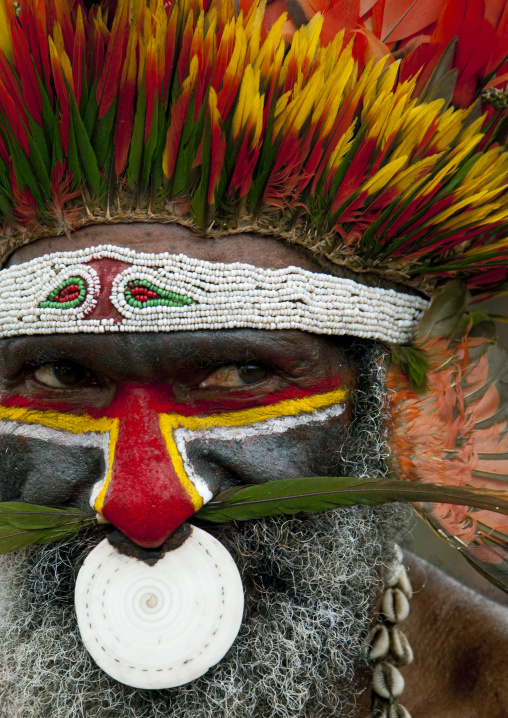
218	151
78	57
185	49
14	114
403	18
170	52
107	87
231	82
343	15
365	6
62	16
494	10
125	114
179	113
500	47
24	65
378	11
61	92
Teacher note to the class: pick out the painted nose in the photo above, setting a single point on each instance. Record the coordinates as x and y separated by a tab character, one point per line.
144	496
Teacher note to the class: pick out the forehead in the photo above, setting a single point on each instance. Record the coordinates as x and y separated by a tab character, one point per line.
265	252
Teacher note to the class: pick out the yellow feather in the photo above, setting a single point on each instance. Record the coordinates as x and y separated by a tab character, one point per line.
270	47
491	248
5	33
62	60
255	32
341	148
409	176
382	178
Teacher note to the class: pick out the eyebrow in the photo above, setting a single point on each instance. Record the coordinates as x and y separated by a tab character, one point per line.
179	349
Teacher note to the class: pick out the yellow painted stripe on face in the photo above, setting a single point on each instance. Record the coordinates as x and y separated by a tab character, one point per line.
174	455
113	438
243	417
56	420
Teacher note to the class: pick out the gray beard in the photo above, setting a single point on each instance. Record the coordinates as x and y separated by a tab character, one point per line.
310	586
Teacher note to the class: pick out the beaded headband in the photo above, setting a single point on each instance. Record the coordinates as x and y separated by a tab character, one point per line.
197	113
59	293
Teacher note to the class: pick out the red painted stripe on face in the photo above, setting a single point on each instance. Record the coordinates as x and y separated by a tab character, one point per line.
162	400
145	499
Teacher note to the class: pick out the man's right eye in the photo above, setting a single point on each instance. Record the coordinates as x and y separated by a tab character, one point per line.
235	376
61	374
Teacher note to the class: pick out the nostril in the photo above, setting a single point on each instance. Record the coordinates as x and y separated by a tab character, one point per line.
150	556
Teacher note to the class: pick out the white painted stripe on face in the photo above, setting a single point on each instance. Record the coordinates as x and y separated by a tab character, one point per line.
268	427
90	439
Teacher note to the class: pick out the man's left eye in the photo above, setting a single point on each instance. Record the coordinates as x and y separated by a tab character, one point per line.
60	374
235	376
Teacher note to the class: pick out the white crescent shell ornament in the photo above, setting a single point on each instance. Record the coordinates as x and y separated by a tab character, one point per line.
160	626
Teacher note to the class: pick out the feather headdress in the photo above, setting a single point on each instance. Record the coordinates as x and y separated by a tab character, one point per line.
355	135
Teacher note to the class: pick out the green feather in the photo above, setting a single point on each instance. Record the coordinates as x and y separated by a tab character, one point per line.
310	495
26	524
150	146
39	137
443	316
137	142
413	362
87	158
102	135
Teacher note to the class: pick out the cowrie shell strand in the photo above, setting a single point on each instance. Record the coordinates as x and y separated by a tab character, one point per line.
400	647
379	642
395	605
387	681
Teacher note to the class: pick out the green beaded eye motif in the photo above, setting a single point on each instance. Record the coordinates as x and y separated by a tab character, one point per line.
69	294
140	293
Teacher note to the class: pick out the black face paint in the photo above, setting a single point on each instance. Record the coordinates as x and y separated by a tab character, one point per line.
308	450
43	472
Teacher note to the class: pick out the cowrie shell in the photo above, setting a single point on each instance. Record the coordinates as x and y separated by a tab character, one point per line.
159	626
404	584
395	568
398	711
400	647
379	643
395	605
387	681
392	573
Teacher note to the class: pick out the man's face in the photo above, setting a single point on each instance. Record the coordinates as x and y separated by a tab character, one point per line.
82	425
145	426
